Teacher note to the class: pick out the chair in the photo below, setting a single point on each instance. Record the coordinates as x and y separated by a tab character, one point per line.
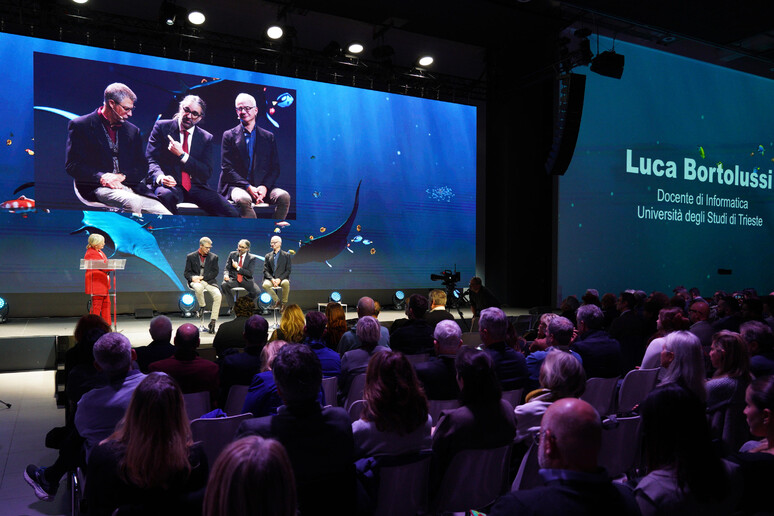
355	410
418	359
473	479
208	353
621	445
471	339
235	399
330	387
435	407
523	324
528	475
355	390
599	394
513	397
635	387
92	204
203	328
196	404
403	489
216	433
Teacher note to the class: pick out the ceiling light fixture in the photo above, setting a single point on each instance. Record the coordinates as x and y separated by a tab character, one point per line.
196	17
425	61
274	32
355	47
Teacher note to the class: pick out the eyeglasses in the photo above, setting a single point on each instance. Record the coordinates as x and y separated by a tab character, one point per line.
126	109
244	108
536	437
241	247
208	247
194	114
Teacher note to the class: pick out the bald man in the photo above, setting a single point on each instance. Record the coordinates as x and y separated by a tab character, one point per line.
349	341
570	439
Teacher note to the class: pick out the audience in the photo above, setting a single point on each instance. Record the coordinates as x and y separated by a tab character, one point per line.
160	347
729	316
262	397
229	334
760	343
570	440
682	363
355	362
699	314
291	328
413	336
669	320
337	325
314	337
600	352
437	374
318	440
84	376
510	366
629	330
251	477
540	342
240	368
366	307
150	464
437	312
558	337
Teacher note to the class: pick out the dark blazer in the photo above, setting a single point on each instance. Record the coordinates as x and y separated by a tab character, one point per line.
436	316
162	162
439	377
235	161
601	354
193	266
248	266
415	337
283	266
88	155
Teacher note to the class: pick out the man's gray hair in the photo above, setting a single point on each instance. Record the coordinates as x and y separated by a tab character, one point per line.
117	92
113	352
560	329
494	321
591	316
448	334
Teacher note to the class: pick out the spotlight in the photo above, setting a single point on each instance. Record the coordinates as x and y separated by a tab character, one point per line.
609	64
274	32
3	310
188	305
355	47
264	301
425	61
196	17
335	297
399	300
80	1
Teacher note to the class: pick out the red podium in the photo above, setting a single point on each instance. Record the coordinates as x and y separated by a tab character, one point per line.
112	265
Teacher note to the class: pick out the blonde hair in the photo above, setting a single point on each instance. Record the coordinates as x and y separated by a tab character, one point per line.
268	353
95	239
292	324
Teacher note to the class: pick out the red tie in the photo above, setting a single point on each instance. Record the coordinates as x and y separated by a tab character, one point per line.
239	276
186	176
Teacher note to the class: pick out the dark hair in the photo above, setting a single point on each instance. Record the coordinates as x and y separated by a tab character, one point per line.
86	323
256	330
676	434
337	324
315	324
736	358
244	307
762	392
629	299
480	387
418	305
298	373
395	401
672	319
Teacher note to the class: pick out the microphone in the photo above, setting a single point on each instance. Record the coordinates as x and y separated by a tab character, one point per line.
121	118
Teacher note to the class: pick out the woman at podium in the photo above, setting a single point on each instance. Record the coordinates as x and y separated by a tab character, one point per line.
97	280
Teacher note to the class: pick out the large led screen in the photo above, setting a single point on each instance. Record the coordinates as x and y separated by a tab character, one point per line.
671	181
381	186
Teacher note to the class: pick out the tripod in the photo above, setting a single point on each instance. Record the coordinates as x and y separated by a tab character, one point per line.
8	405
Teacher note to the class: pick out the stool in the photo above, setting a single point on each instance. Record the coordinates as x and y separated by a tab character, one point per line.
202	311
275	309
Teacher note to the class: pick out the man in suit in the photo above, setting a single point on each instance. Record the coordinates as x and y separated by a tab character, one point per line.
180	158
438	375
104	155
201	272
239	271
414	335
629	330
437	312
250	165
510	365
276	271
600	352
160	348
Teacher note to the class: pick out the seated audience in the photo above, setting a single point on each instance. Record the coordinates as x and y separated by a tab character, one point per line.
190	371
609	309
539	344
262	397
570	440
760	342
682	363
84	376
510	366
413	336
160	347
669	320
150	464
337	325
568	307
79	354
394	420
483	421
699	314
318	440
600	352
291	328
561	376
558	337
355	362
437	312
229	334
685	476
314	337
629	330
251	477
437	374
241	368
366	307
729	315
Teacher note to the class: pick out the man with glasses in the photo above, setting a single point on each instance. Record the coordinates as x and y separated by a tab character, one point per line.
105	155
239	271
201	272
250	165
180	157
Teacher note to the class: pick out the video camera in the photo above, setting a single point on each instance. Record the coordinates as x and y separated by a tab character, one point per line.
449	278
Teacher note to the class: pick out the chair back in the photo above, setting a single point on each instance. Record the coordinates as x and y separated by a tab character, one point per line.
216	433
471	339
513	397
355	390
635	387
236	399
621	445
523	323
92	204
403	489
528	475
599	394
196	404
330	386
473	479
355	410
434	408
418	359
208	353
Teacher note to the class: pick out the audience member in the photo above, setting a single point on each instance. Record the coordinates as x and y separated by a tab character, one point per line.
480	297
314	337
609	309
591	297
230	334
251	477
751	309
568	307
355	362
560	333
629	330
682	363
98	412
510	366
570	440
600	352
160	347
337	325
84	376
240	368
760	342
291	328
150	464
669	320
725	390
80	354
685	476
415	335
349	341
699	314
729	317
192	373
437	312
394	420
318	440
262	397
540	343
653	305
437	374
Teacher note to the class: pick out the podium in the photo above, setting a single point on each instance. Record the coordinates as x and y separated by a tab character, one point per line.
111	265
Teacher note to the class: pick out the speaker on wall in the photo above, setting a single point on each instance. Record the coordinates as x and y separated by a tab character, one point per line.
568	110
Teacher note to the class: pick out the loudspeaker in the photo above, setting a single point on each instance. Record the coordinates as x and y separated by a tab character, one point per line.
568	110
609	64
143	313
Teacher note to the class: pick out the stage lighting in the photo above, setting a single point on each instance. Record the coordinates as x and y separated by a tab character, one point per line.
355	47
80	1
274	32
399	300
188	305
425	61
335	297
196	17
3	310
